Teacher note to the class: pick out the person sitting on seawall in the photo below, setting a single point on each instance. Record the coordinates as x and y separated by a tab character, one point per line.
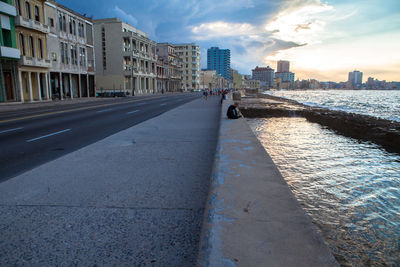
233	112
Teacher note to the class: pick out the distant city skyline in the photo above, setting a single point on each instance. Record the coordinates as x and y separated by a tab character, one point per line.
324	40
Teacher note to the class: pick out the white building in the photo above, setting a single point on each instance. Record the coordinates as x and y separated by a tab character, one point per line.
190	55
71	51
355	78
125	58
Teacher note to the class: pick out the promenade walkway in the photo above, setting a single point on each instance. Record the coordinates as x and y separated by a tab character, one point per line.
134	198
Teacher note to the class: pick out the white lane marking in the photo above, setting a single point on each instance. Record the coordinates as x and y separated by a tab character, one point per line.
133	111
48	135
104	110
163	104
11	130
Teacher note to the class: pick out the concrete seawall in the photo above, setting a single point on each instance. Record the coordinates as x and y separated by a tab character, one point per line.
252	217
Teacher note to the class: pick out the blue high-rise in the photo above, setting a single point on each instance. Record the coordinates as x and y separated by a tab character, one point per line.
220	61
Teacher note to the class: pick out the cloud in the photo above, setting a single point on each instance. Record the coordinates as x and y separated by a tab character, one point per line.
128	18
300	21
221	29
303	27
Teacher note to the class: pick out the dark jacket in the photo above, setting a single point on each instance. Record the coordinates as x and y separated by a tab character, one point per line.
232	113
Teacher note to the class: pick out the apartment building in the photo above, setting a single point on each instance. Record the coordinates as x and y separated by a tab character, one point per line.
71	50
31	32
265	75
173	67
219	60
190	56
125	58
9	54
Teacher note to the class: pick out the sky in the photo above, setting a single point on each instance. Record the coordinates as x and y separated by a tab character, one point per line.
323	40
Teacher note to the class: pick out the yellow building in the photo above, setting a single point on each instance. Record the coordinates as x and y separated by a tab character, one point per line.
237	80
34	64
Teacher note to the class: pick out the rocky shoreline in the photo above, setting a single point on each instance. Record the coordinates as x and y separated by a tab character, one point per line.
382	132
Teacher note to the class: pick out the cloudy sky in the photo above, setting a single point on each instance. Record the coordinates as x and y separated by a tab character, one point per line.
322	39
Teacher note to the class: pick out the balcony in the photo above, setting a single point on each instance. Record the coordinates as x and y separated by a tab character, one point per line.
35	62
31	24
8	9
9	52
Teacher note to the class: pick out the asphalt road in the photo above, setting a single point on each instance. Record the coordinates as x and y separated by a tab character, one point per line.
32	136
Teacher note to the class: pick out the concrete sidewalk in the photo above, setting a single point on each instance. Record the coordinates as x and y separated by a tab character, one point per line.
252	218
134	198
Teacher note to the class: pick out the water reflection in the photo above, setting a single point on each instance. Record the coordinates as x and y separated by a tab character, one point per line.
349	188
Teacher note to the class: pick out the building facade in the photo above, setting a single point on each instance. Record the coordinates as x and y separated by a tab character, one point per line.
283	66
71	51
31	34
125	58
190	55
287	79
161	76
265	75
355	79
9	53
220	61
237	80
252	84
172	68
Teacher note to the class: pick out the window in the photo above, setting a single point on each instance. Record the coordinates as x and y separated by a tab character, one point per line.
70	26
40	48
82	56
51	22
81	30
60	22
74	58
28	10
66	53
64	24
18	3
22	44
32	46
62	52
73	27
37	14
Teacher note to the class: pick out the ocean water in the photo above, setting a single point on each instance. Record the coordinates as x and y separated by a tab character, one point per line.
383	104
349	188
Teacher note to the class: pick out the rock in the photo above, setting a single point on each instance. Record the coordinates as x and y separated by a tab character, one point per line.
382	132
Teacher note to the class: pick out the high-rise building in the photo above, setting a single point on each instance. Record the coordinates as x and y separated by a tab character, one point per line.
286	77
9	54
220	61
355	78
283	66
125	58
264	75
190	56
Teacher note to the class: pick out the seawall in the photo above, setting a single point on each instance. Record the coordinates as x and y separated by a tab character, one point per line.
252	217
